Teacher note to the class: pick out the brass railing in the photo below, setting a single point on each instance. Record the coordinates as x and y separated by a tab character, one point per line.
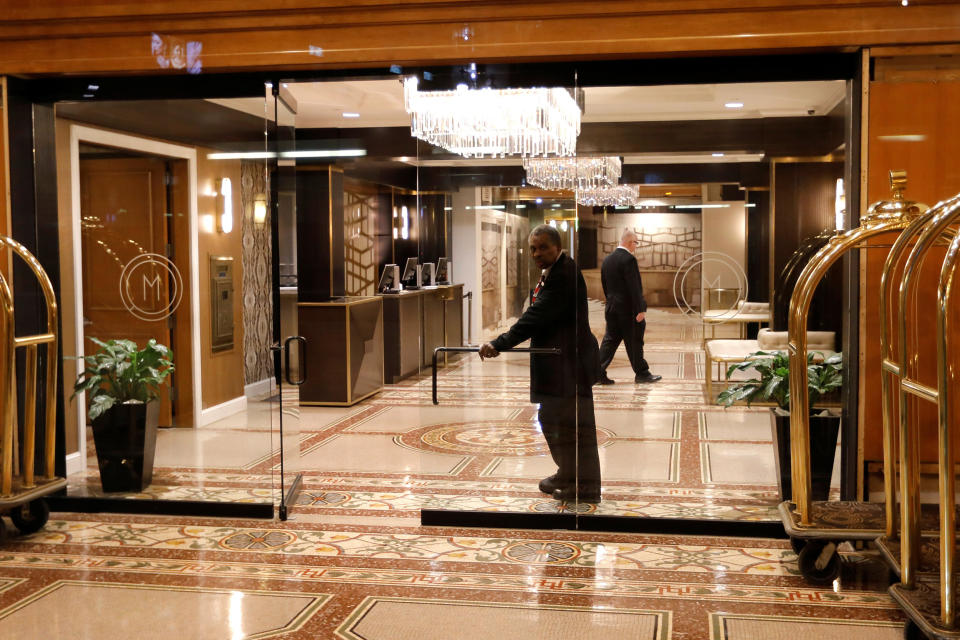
884	217
9	343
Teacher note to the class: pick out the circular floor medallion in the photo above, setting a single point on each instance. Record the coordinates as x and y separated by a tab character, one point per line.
541	552
257	540
490	437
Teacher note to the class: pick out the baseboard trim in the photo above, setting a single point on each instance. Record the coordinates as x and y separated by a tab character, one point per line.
223	410
75	463
259	389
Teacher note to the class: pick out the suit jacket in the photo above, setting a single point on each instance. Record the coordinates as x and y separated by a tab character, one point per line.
622	286
558	318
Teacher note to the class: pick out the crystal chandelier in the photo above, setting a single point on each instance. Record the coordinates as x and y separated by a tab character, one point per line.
477	123
621	195
573	173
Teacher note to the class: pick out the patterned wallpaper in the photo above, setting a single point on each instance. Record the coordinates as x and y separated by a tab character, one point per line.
257	279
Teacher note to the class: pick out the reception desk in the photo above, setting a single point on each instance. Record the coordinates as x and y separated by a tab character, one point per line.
344	350
415	323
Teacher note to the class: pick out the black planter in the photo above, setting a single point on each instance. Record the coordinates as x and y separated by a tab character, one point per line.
126	439
823	448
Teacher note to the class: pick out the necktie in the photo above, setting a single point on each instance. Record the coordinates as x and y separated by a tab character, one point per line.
536	290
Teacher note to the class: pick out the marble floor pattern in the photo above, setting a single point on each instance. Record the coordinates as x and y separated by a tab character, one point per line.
354	562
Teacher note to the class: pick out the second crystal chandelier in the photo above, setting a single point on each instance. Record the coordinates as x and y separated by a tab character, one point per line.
557	174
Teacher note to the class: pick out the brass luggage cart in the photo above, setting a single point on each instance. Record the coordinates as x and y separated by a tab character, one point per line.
927	565
935	227
815	528
21	488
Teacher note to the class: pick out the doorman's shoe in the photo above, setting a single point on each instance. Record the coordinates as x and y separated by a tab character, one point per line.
549	485
605	380
647	377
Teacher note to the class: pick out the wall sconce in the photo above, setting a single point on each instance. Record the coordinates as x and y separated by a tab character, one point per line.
405	229
840	205
396	221
224	205
259	208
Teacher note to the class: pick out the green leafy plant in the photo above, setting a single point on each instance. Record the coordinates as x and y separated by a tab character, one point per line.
120	372
824	376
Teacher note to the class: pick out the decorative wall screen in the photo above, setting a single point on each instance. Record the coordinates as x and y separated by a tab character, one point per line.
360	268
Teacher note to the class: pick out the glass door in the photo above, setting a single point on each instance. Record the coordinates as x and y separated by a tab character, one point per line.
289	348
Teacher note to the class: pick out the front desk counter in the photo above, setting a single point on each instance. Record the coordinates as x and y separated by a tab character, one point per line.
415	322
344	352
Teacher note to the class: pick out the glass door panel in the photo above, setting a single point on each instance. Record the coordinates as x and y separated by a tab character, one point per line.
162	212
289	347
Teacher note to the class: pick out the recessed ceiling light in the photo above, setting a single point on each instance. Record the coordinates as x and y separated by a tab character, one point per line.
350	114
717	155
733	105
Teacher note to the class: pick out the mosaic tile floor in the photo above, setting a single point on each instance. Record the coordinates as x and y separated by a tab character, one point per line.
89	576
354	562
663	451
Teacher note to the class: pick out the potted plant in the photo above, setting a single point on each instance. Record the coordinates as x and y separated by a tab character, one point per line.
122	384
772	384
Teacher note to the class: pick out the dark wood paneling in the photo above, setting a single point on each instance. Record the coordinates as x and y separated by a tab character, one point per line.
401	335
804	200
320	255
34	223
433	335
365	347
194	122
758	245
325	328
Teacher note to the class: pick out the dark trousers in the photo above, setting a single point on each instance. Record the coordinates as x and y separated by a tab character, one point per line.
630	332
570	429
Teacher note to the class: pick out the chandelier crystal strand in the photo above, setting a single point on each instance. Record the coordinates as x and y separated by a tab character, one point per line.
556	174
478	123
621	195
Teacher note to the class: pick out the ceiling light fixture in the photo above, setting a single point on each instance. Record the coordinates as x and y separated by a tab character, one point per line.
717	155
573	173
733	105
494	122
350	114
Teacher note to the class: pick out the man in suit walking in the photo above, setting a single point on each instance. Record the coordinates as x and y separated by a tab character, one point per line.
561	384
626	310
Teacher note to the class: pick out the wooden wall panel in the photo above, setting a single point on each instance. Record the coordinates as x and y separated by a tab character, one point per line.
913	126
50	36
221	372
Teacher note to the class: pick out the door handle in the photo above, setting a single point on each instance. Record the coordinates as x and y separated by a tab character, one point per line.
303	359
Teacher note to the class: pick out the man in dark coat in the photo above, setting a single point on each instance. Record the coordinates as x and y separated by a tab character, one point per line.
626	310
562	383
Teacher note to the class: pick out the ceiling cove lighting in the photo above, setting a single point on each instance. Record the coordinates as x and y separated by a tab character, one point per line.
494	122
556	174
260	155
616	196
733	105
350	114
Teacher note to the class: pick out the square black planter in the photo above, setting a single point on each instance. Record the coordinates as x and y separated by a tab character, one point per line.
126	440
823	449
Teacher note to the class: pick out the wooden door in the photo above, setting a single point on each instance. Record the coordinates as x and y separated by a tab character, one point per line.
123	203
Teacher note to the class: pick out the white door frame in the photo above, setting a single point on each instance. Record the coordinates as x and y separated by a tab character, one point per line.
77	461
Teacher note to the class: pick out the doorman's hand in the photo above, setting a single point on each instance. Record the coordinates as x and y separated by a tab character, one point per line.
487	351
641	316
